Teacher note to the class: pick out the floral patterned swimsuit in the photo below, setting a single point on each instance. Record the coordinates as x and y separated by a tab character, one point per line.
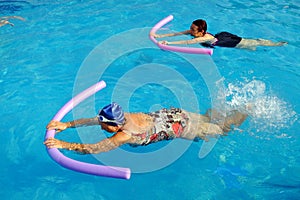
168	124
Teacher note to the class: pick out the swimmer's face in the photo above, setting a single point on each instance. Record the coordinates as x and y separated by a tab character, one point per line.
109	128
194	30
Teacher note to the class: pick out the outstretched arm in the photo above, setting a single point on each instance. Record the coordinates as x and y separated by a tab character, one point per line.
170	34
105	145
192	41
60	126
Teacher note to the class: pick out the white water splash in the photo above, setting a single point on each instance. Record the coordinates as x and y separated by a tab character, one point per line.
268	113
242	94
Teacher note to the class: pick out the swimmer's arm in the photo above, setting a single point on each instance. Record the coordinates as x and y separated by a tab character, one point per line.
60	126
170	34
192	41
83	122
105	145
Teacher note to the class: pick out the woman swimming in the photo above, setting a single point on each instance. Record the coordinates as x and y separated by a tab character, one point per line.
223	39
140	129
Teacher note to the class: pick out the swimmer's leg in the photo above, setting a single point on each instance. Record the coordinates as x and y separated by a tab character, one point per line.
251	44
18	17
210	129
212	124
12	17
263	42
204	130
214	115
199	126
5	22
236	118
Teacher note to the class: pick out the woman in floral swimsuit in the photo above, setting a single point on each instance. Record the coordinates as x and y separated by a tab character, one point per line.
145	128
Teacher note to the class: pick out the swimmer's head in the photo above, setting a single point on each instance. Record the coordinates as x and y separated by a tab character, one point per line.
198	28
112	114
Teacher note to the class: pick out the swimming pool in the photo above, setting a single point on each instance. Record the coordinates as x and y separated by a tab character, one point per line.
64	46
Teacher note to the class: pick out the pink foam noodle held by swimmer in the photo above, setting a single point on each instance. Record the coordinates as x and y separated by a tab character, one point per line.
175	48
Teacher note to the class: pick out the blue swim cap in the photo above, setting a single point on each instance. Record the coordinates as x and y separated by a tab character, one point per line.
112	113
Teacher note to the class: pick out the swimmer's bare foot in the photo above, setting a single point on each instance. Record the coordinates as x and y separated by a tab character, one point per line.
280	43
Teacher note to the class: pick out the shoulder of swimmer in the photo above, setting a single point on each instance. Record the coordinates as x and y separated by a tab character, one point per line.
121	138
137	122
206	38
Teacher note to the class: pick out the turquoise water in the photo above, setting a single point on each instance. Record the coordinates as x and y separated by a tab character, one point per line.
63	47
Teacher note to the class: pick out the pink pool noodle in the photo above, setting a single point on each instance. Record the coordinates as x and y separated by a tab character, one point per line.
176	48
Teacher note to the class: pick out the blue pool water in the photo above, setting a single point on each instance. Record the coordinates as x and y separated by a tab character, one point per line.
66	46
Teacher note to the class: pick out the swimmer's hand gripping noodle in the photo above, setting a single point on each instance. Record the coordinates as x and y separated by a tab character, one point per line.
56	155
175	48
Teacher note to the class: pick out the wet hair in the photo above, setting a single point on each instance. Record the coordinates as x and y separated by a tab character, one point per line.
202	26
